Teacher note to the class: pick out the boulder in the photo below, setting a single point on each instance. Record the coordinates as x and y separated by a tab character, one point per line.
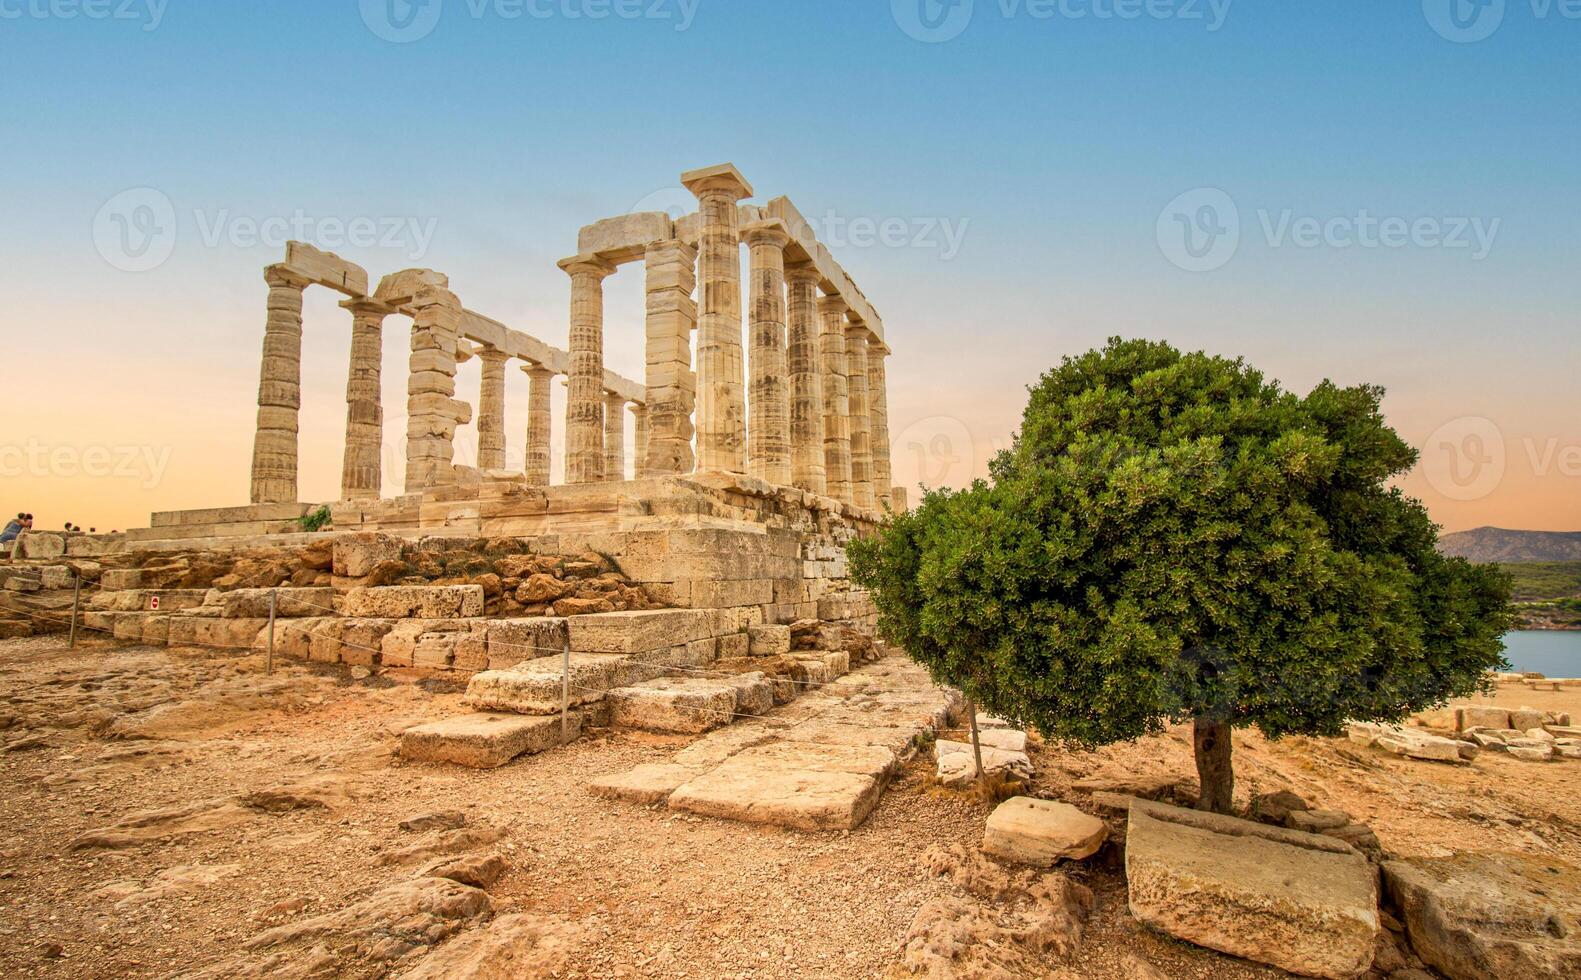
1041	832
1301	902
1490	916
957	763
1276	807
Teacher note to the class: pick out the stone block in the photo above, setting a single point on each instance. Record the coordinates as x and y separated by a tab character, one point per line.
116	579
646	784
1301	902
1041	832
254	603
356	554
685	705
484	740
414	601
1481	716
957	763
768	641
225	634
732	645
804	798
534	687
639	631
1525	718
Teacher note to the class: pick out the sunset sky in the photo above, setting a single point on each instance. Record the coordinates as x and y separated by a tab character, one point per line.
1366	192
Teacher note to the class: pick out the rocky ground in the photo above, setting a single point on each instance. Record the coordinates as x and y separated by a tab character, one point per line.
174	814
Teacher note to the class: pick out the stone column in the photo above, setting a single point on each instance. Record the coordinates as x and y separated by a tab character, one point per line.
361	473
806	379
768	398
861	426
836	399
538	424
878	401
614	437
279	390
672	388
584	413
639	412
721	408
432	411
491	410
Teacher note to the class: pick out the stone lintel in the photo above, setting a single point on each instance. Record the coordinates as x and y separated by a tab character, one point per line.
326	269
723	175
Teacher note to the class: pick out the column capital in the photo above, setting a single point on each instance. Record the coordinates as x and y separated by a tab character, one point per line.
367	306
615	399
281	276
802	272
832	304
720	178
491	355
588	263
537	371
769	232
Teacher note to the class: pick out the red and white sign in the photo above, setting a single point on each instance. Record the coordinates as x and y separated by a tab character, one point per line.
153	602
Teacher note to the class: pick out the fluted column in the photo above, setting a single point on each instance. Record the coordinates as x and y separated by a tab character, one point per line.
768	397
539	379
836	399
803	363
639	413
279	391
878	402
361	472
432	411
672	388
584	413
861	425
614	437
491	410
721	408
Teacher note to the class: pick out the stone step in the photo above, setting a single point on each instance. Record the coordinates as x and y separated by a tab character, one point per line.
534	686
689	705
414	601
486	740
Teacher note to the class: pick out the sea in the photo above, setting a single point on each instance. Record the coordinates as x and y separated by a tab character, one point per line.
1554	653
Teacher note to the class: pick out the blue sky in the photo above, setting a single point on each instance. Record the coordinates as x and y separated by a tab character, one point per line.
1048	146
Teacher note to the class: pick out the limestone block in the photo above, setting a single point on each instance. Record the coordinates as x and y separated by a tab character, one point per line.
769	641
646	784
1526	718
56	577
1302	902
754	693
533	687
957	763
511	641
414	601
231	634
357	554
484	740
1481	716
254	603
837	663
1489	916
361	640
639	630
811	790
38	544
1041	832
732	645
1531	753
673	704
116	579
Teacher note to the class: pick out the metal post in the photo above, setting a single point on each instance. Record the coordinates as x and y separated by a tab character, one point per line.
269	657
565	689
76	593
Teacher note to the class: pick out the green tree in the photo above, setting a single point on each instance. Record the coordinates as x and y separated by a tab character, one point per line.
1173	537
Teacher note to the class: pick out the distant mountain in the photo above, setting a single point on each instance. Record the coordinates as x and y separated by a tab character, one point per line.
1484	544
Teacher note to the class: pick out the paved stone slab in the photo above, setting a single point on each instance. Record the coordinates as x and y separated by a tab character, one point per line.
484	740
646	784
1041	832
1302	902
799	798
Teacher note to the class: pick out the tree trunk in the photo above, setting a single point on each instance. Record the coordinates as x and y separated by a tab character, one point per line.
977	748
1211	740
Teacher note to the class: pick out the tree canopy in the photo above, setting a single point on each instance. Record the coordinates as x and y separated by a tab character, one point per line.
1173	536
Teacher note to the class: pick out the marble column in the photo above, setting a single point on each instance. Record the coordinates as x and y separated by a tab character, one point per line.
432	411
672	388
539	378
768	396
584	413
279	390
721	408
491	410
804	365
614	437
639	413
836	399
861	425
878	402
361	472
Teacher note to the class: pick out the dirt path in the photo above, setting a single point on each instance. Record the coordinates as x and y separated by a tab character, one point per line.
231	803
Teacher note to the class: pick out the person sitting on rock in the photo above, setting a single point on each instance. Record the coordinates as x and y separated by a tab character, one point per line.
23	523
12	530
